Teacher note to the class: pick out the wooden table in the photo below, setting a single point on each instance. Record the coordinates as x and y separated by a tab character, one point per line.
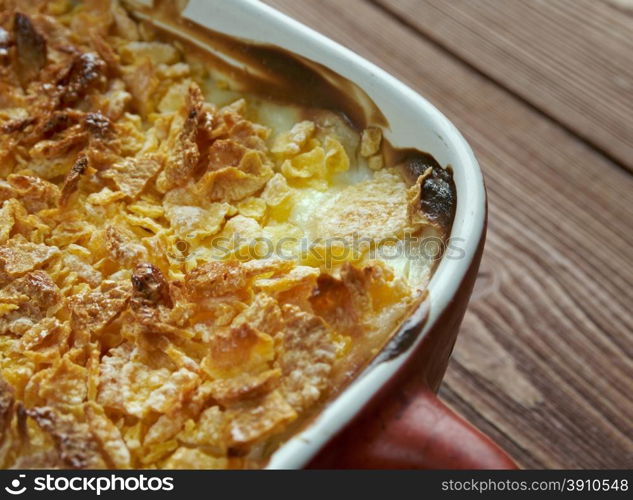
543	91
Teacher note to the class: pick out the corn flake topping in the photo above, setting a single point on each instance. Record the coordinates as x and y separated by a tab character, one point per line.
144	320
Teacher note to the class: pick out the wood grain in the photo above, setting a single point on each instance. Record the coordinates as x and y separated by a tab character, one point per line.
544	360
573	59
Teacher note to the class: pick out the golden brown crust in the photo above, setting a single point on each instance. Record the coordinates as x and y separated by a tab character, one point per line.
244	387
132	175
150	286
215	279
35	193
184	154
86	71
94	310
72	179
18	257
33	295
73	441
307	359
108	436
7	401
259	419
30	47
143	321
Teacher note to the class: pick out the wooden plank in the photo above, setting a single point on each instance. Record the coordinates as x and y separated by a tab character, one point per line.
625	6
544	360
573	59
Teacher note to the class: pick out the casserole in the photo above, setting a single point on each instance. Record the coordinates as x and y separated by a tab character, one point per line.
150	288
364	426
351	431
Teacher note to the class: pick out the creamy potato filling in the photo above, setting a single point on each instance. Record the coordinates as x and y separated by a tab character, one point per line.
187	274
